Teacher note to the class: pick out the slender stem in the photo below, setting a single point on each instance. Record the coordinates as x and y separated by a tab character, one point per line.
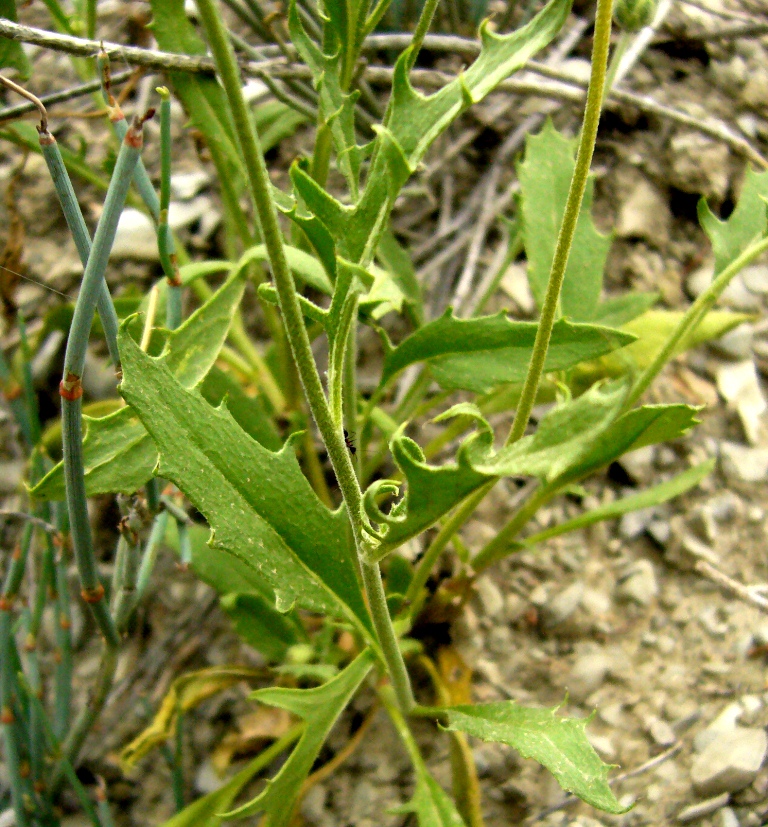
53	742
71	386
377	603
618	53
164	237
79	231
498	547
63	626
443	537
89	713
422	27
150	553
12	737
551	302
693	316
298	338
549	309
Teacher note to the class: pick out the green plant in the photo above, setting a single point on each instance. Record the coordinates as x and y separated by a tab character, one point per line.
280	546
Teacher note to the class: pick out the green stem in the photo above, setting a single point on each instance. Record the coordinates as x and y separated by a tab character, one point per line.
443	537
377	603
296	332
549	310
693	316
53	743
165	244
71	385
550	306
422	27
79	231
89	713
63	625
625	38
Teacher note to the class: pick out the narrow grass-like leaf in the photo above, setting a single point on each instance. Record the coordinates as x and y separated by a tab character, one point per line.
118	456
560	744
747	222
259	504
634	502
479	354
320	707
206	811
431	805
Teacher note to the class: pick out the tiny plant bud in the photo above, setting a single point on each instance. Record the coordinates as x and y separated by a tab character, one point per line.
632	15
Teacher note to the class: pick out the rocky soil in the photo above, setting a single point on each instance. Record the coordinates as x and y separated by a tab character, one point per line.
617	620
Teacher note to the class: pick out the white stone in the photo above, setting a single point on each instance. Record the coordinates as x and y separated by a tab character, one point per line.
739	385
186	185
699	165
563	605
742	464
135	238
645	214
489	597
514	283
587	674
736	343
755	278
661	732
730	763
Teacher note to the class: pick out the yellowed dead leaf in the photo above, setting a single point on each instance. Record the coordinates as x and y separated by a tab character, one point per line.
186	693
455	675
267	723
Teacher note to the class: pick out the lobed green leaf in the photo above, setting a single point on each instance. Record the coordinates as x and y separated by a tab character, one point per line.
560	744
260	506
479	354
545	178
747	222
118	455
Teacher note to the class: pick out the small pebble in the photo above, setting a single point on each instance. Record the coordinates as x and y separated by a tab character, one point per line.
587	674
489	597
730	763
742	464
562	605
637	584
661	732
727	818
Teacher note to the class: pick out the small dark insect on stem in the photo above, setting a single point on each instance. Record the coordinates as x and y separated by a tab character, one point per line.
349	443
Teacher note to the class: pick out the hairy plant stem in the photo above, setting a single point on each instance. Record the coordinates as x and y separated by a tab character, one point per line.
587	138
298	338
693	316
550	306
